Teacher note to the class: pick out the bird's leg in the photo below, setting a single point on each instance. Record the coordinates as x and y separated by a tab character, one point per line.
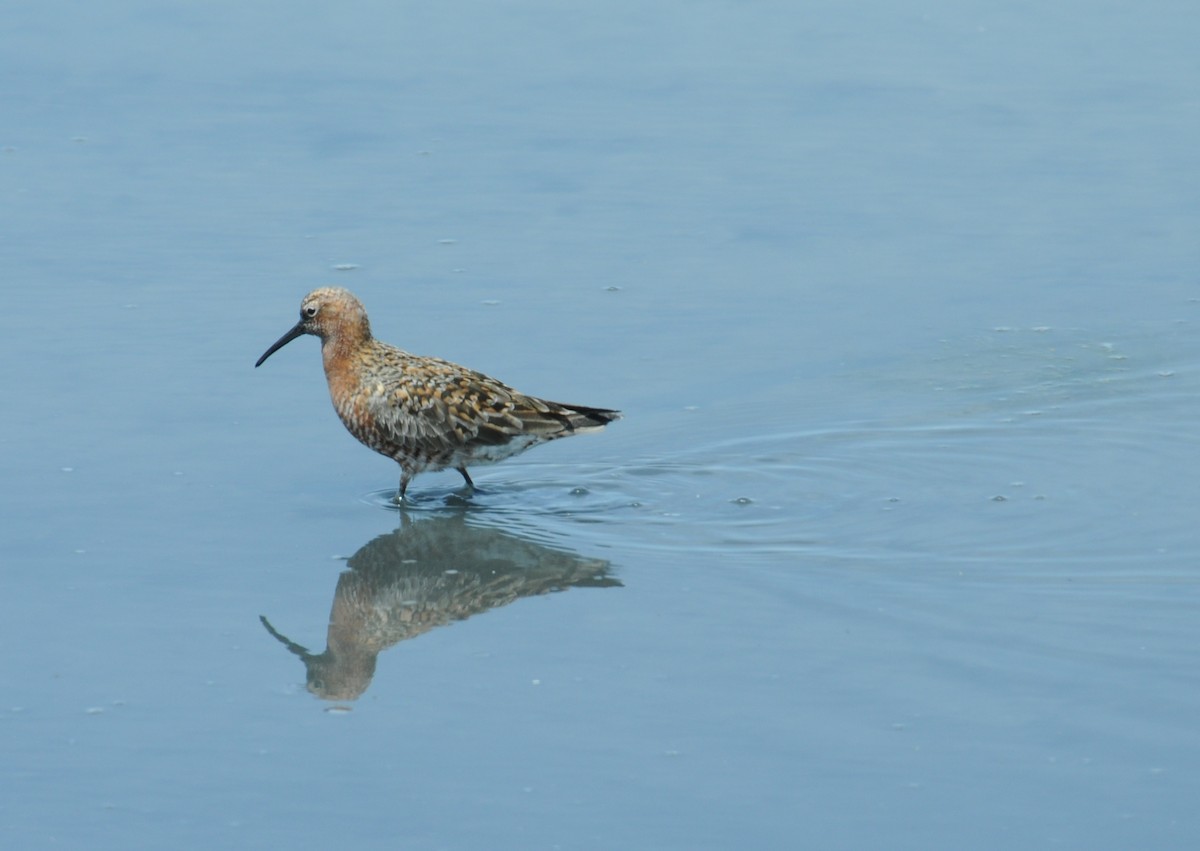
467	478
404	477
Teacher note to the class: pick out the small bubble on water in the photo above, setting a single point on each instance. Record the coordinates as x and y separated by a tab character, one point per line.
339	710
447	241
612	289
579	491
94	710
490	302
999	498
345	267
742	500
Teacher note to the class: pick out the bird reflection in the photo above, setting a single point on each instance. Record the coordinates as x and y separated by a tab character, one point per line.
426	574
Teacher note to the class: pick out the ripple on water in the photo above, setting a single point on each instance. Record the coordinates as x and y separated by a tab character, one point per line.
570	504
1094	480
522	490
1074	476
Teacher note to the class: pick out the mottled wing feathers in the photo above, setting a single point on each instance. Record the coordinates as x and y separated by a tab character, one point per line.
436	405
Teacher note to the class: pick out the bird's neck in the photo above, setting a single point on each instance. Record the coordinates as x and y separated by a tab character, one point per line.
341	352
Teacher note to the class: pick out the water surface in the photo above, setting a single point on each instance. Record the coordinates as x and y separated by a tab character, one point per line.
894	547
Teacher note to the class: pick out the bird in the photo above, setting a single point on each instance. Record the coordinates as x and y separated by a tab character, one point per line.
424	413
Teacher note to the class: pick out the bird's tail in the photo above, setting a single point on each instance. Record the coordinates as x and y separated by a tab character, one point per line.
580	418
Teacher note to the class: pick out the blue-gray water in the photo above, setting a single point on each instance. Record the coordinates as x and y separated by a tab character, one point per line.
895	548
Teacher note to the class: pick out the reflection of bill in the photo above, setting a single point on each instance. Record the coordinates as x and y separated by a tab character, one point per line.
425	574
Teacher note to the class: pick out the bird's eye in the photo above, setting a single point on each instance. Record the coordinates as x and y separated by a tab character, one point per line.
309	311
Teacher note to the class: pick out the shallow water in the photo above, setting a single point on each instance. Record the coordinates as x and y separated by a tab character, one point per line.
894	547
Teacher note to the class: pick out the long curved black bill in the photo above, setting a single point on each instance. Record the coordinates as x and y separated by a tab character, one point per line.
280	343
